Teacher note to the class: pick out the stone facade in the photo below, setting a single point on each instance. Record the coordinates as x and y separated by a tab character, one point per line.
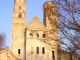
34	41
31	42
5	54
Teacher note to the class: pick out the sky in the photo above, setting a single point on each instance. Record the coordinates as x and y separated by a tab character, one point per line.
33	8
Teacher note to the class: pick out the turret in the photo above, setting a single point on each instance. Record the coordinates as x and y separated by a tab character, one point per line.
50	16
51	24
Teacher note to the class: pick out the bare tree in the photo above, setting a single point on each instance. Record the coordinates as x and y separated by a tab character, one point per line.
2	40
68	12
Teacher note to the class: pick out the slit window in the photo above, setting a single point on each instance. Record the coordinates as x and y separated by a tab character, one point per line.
53	55
37	50
20	15
43	35
43	50
70	56
37	35
19	7
18	51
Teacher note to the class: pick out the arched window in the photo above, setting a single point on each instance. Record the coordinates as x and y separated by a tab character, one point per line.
19	7
18	51
19	15
43	50
43	35
37	50
37	35
53	55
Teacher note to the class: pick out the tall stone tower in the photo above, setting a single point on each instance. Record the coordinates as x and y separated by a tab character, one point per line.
51	24
31	42
50	16
18	27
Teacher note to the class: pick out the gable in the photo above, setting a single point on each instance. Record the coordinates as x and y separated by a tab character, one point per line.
6	54
35	24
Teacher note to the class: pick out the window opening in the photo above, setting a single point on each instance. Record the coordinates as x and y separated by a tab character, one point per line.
18	51
70	56
53	55
43	35
19	7
43	50
31	34
19	16
37	50
37	35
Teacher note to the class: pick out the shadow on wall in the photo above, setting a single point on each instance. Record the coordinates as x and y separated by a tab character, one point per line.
37	57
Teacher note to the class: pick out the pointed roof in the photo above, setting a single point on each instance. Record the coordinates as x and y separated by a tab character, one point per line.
35	24
7	54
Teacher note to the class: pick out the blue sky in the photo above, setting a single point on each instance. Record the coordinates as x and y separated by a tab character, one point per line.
33	8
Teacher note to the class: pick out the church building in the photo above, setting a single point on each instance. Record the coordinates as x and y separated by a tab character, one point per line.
31	42
36	40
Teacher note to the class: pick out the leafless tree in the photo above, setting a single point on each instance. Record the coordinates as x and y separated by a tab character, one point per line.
2	40
68	12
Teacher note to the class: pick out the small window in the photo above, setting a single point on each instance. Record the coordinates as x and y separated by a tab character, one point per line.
19	7
37	50
37	35
30	34
70	56
18	51
53	55
43	35
19	15
43	50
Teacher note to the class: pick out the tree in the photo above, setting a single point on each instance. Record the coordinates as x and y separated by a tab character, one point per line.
68	12
2	40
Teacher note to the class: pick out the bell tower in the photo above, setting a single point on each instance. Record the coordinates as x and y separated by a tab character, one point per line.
18	27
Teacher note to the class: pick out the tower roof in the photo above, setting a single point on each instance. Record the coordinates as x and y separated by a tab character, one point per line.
35	24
